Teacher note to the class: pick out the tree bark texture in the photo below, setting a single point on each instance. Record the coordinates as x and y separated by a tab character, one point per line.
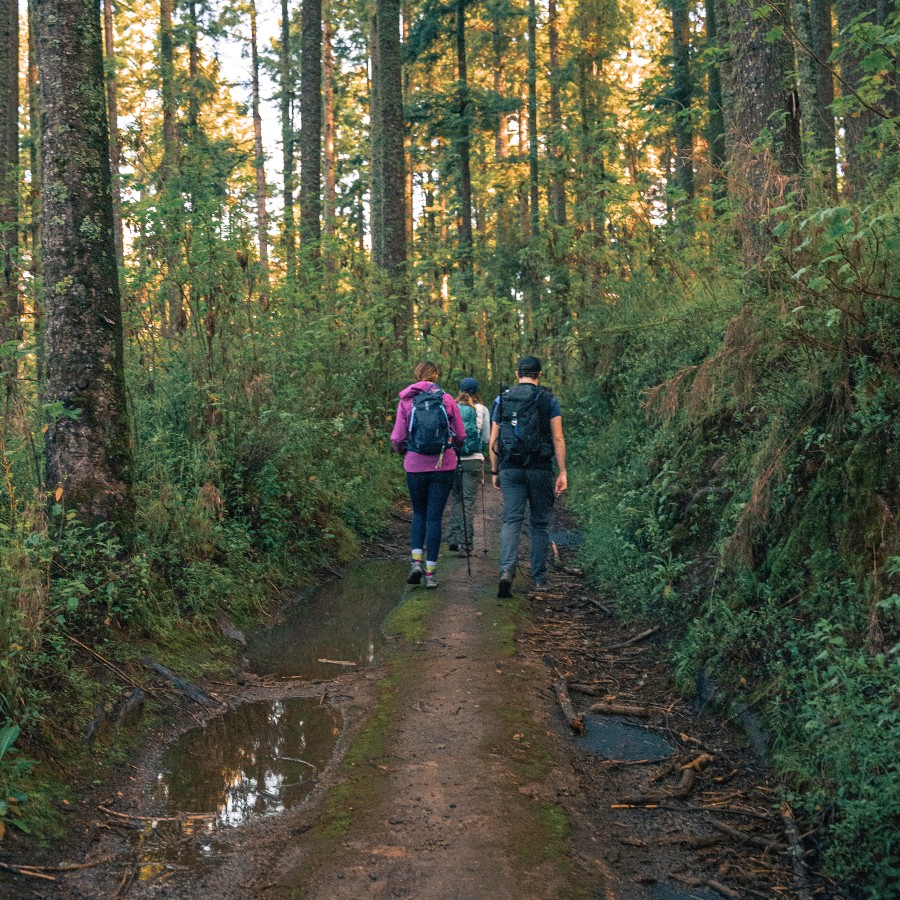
311	124
715	131
376	169
87	448
286	79
557	175
259	159
330	196
9	185
169	165
857	119
762	120
112	105
463	145
532	118
823	114
34	195
390	95
682	95
816	134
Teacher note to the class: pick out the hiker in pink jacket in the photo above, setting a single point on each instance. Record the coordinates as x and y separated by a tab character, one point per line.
428	431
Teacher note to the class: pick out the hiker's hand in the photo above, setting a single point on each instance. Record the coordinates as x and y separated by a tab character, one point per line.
562	482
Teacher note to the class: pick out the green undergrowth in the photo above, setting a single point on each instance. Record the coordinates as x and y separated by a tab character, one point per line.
254	468
409	619
736	475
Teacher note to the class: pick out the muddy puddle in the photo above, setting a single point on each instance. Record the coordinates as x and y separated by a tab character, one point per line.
339	621
614	738
257	760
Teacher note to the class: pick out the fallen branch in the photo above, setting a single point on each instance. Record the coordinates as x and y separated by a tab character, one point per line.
636	639
723	889
575	720
336	662
189	690
745	838
621	709
24	870
105	662
598	605
796	852
137	818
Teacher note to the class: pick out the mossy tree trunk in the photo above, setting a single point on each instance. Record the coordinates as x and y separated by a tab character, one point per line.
330	158
112	104
558	173
762	118
286	102
88	453
311	126
9	188
393	165
463	152
259	160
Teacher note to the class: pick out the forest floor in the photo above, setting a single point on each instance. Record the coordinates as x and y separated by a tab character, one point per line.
455	775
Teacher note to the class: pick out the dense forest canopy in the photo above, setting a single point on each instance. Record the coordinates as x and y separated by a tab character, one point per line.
226	231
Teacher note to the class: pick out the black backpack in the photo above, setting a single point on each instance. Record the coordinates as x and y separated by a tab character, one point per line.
524	417
429	424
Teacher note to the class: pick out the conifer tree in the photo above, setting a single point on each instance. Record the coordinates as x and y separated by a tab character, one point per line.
311	124
9	186
88	455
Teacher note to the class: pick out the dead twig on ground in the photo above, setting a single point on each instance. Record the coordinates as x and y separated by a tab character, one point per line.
105	662
796	852
636	639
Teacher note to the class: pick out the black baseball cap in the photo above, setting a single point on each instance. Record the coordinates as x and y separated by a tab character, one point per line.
529	365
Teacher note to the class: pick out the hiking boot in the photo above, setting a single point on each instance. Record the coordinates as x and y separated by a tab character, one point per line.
415	573
540	585
504	591
431	580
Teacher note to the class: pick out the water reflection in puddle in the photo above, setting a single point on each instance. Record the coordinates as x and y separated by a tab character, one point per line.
258	759
340	621
613	738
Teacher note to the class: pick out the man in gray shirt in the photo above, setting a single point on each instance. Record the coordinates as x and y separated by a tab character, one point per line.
526	436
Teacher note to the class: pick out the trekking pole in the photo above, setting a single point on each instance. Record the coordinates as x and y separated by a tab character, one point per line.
483	517
462	506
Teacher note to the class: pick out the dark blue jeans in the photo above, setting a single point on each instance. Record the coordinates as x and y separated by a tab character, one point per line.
534	488
429	492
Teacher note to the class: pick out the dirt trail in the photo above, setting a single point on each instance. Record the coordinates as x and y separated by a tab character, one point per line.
456	776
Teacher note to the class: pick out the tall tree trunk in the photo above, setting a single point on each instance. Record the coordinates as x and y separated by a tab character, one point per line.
557	175
169	166
715	130
892	95
406	17
112	105
759	102
376	166
463	146
9	186
858	120
532	118
311	125
286	79
823	115
682	94
390	102
88	455
193	31
817	135
259	161
533	188
330	199
34	196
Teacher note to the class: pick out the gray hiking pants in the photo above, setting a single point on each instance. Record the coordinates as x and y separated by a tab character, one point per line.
534	487
465	490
